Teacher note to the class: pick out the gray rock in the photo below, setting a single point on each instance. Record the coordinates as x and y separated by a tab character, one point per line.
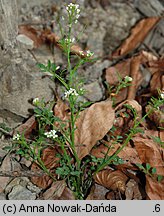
3	143
2	196
149	7
21	193
93	91
26	187
20	82
33	188
25	42
95	71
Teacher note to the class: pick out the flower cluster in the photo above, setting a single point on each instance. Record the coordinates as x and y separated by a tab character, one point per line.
16	137
74	11
51	134
71	91
69	40
35	101
89	53
128	79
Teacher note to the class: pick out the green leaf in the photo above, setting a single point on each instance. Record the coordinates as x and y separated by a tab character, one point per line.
49	65
160	178
42	67
154	170
148	166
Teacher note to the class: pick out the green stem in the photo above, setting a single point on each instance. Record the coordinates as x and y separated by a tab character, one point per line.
125	143
72	133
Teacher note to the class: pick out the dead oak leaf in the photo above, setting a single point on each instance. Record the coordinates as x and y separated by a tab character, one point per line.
114	180
138	34
51	162
92	125
149	152
154	189
32	33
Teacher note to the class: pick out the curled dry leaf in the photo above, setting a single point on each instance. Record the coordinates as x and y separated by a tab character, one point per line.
51	162
154	189
113	180
149	152
92	125
32	33
135	105
138	34
27	127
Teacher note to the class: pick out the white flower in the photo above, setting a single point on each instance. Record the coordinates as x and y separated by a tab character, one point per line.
57	67
71	91
162	95
69	40
74	11
72	40
78	11
16	137
81	52
51	134
89	53
35	101
128	79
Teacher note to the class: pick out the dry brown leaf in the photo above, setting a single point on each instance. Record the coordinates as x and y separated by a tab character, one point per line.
121	69
113	180
130	67
32	33
157	82
132	191
128	154
62	111
55	191
135	105
97	192
154	189
158	64
92	125
67	195
156	116
138	34
51	162
149	152
52	38
150	57
27	127
43	181
136	76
